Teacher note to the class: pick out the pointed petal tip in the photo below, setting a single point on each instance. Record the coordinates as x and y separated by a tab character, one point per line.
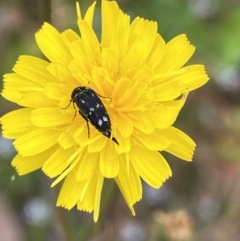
78	10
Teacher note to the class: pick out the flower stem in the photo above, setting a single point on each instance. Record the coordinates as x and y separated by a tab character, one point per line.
107	200
106	211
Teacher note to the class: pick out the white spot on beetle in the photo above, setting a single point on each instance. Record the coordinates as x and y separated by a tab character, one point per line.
97	105
92	109
105	118
82	101
100	122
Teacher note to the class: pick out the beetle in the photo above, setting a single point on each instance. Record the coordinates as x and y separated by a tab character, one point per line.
91	108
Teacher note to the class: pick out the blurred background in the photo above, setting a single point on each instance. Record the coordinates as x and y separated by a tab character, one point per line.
201	202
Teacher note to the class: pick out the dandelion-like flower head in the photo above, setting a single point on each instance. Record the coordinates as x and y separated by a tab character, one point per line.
142	84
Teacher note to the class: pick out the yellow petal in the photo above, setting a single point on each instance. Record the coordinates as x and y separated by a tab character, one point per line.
157	52
47	117
141	39
109	163
16	86
79	15
59	71
141	78
143	121
69	36
178	52
181	145
89	161
73	162
120	37
65	140
153	142
110	16
35	100
55	91
27	164
115	33
164	115
17	123
22	84
79	65
120	87
124	98
89	38
80	136
70	191
51	44
110	62
193	78
97	145
97	200
11	95
57	162
92	193
37	141
124	125
132	59
129	184
34	70
89	14
167	91
102	82
150	165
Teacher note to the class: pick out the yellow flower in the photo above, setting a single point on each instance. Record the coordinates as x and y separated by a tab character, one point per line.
145	85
